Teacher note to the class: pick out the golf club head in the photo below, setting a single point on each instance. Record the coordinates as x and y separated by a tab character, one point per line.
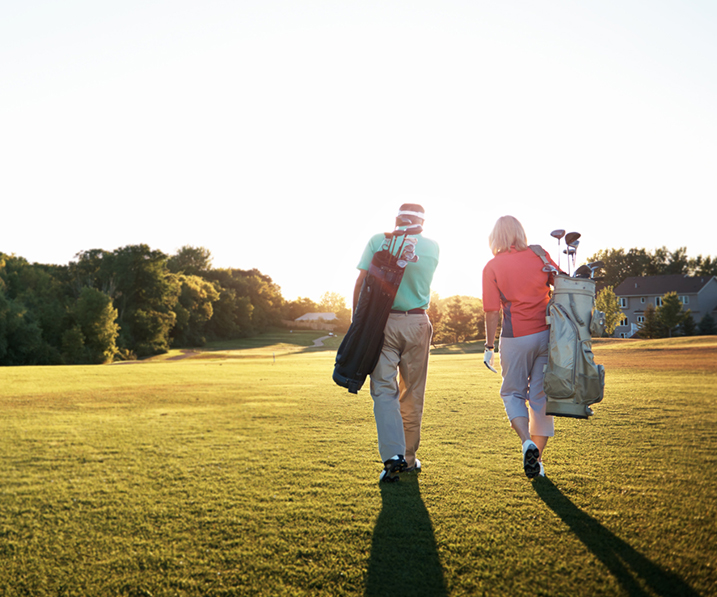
415	229
582	272
558	234
409	251
571	237
596	265
569	251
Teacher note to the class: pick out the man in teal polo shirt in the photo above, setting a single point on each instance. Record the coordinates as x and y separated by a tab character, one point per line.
398	403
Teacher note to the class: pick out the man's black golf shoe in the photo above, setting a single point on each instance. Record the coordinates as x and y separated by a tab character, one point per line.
391	468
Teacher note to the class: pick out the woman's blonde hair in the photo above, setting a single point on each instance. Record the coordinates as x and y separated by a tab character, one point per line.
507	232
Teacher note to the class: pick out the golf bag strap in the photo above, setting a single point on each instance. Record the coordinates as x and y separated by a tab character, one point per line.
540	252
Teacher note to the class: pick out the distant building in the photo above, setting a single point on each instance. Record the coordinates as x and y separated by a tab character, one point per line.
317	316
314	321
696	293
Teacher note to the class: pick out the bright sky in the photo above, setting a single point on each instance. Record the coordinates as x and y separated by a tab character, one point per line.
282	134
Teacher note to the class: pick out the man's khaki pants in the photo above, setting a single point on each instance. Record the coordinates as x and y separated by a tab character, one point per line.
398	404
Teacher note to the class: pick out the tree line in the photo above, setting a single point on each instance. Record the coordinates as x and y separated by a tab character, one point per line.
129	303
135	302
621	264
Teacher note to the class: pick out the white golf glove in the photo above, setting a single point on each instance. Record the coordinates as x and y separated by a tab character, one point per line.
489	359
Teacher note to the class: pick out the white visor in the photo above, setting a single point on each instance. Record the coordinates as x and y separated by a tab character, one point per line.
418	214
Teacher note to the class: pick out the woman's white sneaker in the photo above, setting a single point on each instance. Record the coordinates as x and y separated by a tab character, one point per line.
416	468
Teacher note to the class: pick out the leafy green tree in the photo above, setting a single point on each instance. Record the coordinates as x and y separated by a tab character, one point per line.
145	295
677	262
650	328
435	315
232	316
264	296
621	264
193	310
607	302
331	302
703	266
192	261
478	322
151	330
40	292
457	319
670	314
342	321
301	306
434	310
707	326
689	327
74	350
20	337
143	292
96	320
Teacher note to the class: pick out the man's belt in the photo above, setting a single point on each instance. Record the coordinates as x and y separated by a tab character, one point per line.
411	312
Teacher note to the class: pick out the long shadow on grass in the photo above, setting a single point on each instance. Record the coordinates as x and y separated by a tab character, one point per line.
631	569
404	558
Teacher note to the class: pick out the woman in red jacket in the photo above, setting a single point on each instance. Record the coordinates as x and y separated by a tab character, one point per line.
515	284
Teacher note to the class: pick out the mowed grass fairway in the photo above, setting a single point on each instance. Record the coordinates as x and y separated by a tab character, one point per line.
244	470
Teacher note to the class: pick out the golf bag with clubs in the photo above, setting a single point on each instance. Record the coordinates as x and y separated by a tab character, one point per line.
361	348
573	381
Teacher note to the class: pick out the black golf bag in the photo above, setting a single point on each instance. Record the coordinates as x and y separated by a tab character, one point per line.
361	347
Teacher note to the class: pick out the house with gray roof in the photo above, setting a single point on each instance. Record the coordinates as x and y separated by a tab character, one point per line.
697	293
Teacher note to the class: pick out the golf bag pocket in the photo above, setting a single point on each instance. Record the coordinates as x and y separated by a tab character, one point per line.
563	354
592	378
597	324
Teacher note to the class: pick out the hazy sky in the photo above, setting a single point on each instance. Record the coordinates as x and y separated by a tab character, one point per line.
281	134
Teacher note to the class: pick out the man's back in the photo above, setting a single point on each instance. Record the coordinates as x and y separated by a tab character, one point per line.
415	289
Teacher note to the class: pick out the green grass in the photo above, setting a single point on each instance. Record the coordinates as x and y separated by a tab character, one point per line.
244	470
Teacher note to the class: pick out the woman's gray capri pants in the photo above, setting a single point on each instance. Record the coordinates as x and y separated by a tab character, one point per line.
522	361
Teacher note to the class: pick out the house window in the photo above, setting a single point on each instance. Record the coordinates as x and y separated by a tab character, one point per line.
642	300
624	321
685	300
623	303
622	335
658	301
640	319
